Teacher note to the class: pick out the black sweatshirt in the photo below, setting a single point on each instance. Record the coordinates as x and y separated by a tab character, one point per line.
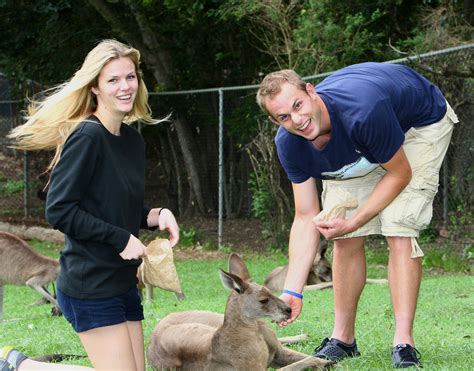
96	199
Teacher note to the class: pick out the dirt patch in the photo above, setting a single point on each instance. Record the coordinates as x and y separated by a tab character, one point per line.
199	254
241	233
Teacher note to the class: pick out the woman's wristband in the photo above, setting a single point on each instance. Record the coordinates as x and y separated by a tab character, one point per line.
159	212
292	293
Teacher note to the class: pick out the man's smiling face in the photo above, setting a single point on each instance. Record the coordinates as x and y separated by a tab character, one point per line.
296	110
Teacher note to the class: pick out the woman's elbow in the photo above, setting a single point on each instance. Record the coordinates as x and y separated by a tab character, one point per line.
57	217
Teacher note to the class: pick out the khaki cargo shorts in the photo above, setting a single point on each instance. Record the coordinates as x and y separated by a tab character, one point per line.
411	211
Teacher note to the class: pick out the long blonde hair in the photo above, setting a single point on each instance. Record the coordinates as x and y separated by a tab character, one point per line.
51	120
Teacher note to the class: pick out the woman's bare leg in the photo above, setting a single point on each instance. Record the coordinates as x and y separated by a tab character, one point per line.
117	347
29	364
138	344
110	347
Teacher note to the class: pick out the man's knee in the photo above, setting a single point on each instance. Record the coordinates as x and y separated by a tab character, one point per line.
352	243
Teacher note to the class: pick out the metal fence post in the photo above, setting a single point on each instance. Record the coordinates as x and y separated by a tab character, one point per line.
445	193
221	168
26	182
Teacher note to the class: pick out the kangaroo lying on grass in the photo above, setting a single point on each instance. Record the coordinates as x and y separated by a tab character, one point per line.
319	277
320	271
21	265
237	340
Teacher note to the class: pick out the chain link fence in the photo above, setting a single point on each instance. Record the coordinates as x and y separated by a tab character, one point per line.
210	159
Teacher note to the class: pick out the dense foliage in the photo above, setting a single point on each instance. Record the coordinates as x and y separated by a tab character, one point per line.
209	43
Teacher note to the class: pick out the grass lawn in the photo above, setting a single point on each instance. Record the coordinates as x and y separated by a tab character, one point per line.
443	328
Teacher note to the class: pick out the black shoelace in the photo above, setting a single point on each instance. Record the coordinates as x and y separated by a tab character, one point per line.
410	354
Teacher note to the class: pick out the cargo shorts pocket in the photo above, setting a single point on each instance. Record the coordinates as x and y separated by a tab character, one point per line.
414	206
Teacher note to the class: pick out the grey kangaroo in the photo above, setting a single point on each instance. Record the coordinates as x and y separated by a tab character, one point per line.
21	265
320	271
237	340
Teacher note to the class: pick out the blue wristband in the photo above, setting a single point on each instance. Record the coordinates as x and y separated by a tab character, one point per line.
292	293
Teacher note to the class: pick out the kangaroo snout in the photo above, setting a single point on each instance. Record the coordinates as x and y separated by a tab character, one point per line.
282	311
286	311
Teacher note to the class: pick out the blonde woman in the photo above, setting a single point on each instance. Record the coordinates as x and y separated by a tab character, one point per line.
96	197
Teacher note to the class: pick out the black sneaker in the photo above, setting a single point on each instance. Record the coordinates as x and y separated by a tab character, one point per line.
404	356
335	350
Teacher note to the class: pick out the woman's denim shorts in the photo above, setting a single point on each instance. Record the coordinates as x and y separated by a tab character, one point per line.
85	315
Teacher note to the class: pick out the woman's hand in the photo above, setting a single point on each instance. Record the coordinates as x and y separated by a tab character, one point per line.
165	220
134	249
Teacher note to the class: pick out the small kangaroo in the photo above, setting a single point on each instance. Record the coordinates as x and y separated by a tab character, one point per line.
320	271
21	265
237	340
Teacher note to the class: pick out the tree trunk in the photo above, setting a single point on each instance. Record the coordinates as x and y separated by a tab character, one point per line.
176	166
469	11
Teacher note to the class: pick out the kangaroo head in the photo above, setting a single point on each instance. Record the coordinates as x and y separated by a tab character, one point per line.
45	272
254	301
51	273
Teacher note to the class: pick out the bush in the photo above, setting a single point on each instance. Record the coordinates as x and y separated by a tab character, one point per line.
11	187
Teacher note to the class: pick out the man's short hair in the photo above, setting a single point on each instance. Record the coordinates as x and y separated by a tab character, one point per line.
271	85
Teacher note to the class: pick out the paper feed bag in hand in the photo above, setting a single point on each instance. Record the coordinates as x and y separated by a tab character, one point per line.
158	269
343	201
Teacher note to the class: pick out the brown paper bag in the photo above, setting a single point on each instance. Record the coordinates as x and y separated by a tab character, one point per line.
344	201
158	269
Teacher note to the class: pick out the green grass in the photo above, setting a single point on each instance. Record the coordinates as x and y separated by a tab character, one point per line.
443	327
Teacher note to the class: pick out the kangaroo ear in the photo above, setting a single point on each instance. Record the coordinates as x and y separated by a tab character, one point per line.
233	282
238	267
323	246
